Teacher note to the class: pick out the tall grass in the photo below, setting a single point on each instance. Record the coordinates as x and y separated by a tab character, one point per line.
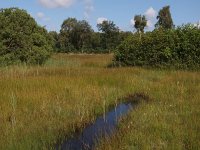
41	104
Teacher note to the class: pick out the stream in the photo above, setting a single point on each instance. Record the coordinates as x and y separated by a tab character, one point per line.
104	127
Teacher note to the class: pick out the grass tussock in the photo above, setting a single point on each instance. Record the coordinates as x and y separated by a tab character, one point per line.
41	104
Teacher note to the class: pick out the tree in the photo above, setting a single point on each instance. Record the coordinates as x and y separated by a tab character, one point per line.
164	18
110	34
140	23
67	37
123	35
22	40
54	37
84	34
96	42
75	35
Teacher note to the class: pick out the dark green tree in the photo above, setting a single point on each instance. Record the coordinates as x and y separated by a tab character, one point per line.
110	36
96	42
22	40
140	23
54	37
67	36
75	35
84	33
164	18
123	35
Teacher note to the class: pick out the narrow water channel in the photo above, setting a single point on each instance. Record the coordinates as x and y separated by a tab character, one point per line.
103	127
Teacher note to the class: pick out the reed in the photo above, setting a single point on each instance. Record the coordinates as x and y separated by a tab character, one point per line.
41	104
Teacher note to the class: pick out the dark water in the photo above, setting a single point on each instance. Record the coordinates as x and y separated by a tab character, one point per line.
103	127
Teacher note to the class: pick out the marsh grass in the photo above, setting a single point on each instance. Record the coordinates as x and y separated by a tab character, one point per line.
170	121
41	104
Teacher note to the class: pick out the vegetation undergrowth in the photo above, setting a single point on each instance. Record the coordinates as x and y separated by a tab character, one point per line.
41	104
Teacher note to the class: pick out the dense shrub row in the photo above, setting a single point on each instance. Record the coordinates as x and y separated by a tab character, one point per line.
174	48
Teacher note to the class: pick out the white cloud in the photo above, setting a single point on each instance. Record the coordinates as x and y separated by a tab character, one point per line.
41	16
56	3
88	8
47	19
149	24
150	13
132	22
88	5
197	24
151	17
101	19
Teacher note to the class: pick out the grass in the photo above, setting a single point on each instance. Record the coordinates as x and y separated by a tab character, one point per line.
41	104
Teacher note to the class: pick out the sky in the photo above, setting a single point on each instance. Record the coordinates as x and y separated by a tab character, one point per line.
51	13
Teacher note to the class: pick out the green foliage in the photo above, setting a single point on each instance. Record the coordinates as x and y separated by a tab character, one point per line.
140	23
78	37
96	41
176	48
164	18
75	35
54	36
110	34
22	40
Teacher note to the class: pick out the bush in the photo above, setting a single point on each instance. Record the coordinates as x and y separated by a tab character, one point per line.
175	48
21	39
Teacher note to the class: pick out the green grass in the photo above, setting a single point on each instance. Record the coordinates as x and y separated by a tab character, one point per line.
41	104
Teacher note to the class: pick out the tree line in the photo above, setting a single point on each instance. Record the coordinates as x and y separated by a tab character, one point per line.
22	40
77	36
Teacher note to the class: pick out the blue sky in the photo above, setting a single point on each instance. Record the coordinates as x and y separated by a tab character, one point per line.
51	13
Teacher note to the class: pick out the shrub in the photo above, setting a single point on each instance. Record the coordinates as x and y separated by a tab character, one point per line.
174	48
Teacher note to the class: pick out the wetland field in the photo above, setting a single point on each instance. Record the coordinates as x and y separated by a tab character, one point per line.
42	105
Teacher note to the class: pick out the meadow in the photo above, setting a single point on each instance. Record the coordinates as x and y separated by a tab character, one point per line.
40	105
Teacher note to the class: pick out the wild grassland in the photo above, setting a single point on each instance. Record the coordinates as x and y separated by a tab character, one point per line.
41	104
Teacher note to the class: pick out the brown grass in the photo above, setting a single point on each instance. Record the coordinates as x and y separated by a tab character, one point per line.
41	104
